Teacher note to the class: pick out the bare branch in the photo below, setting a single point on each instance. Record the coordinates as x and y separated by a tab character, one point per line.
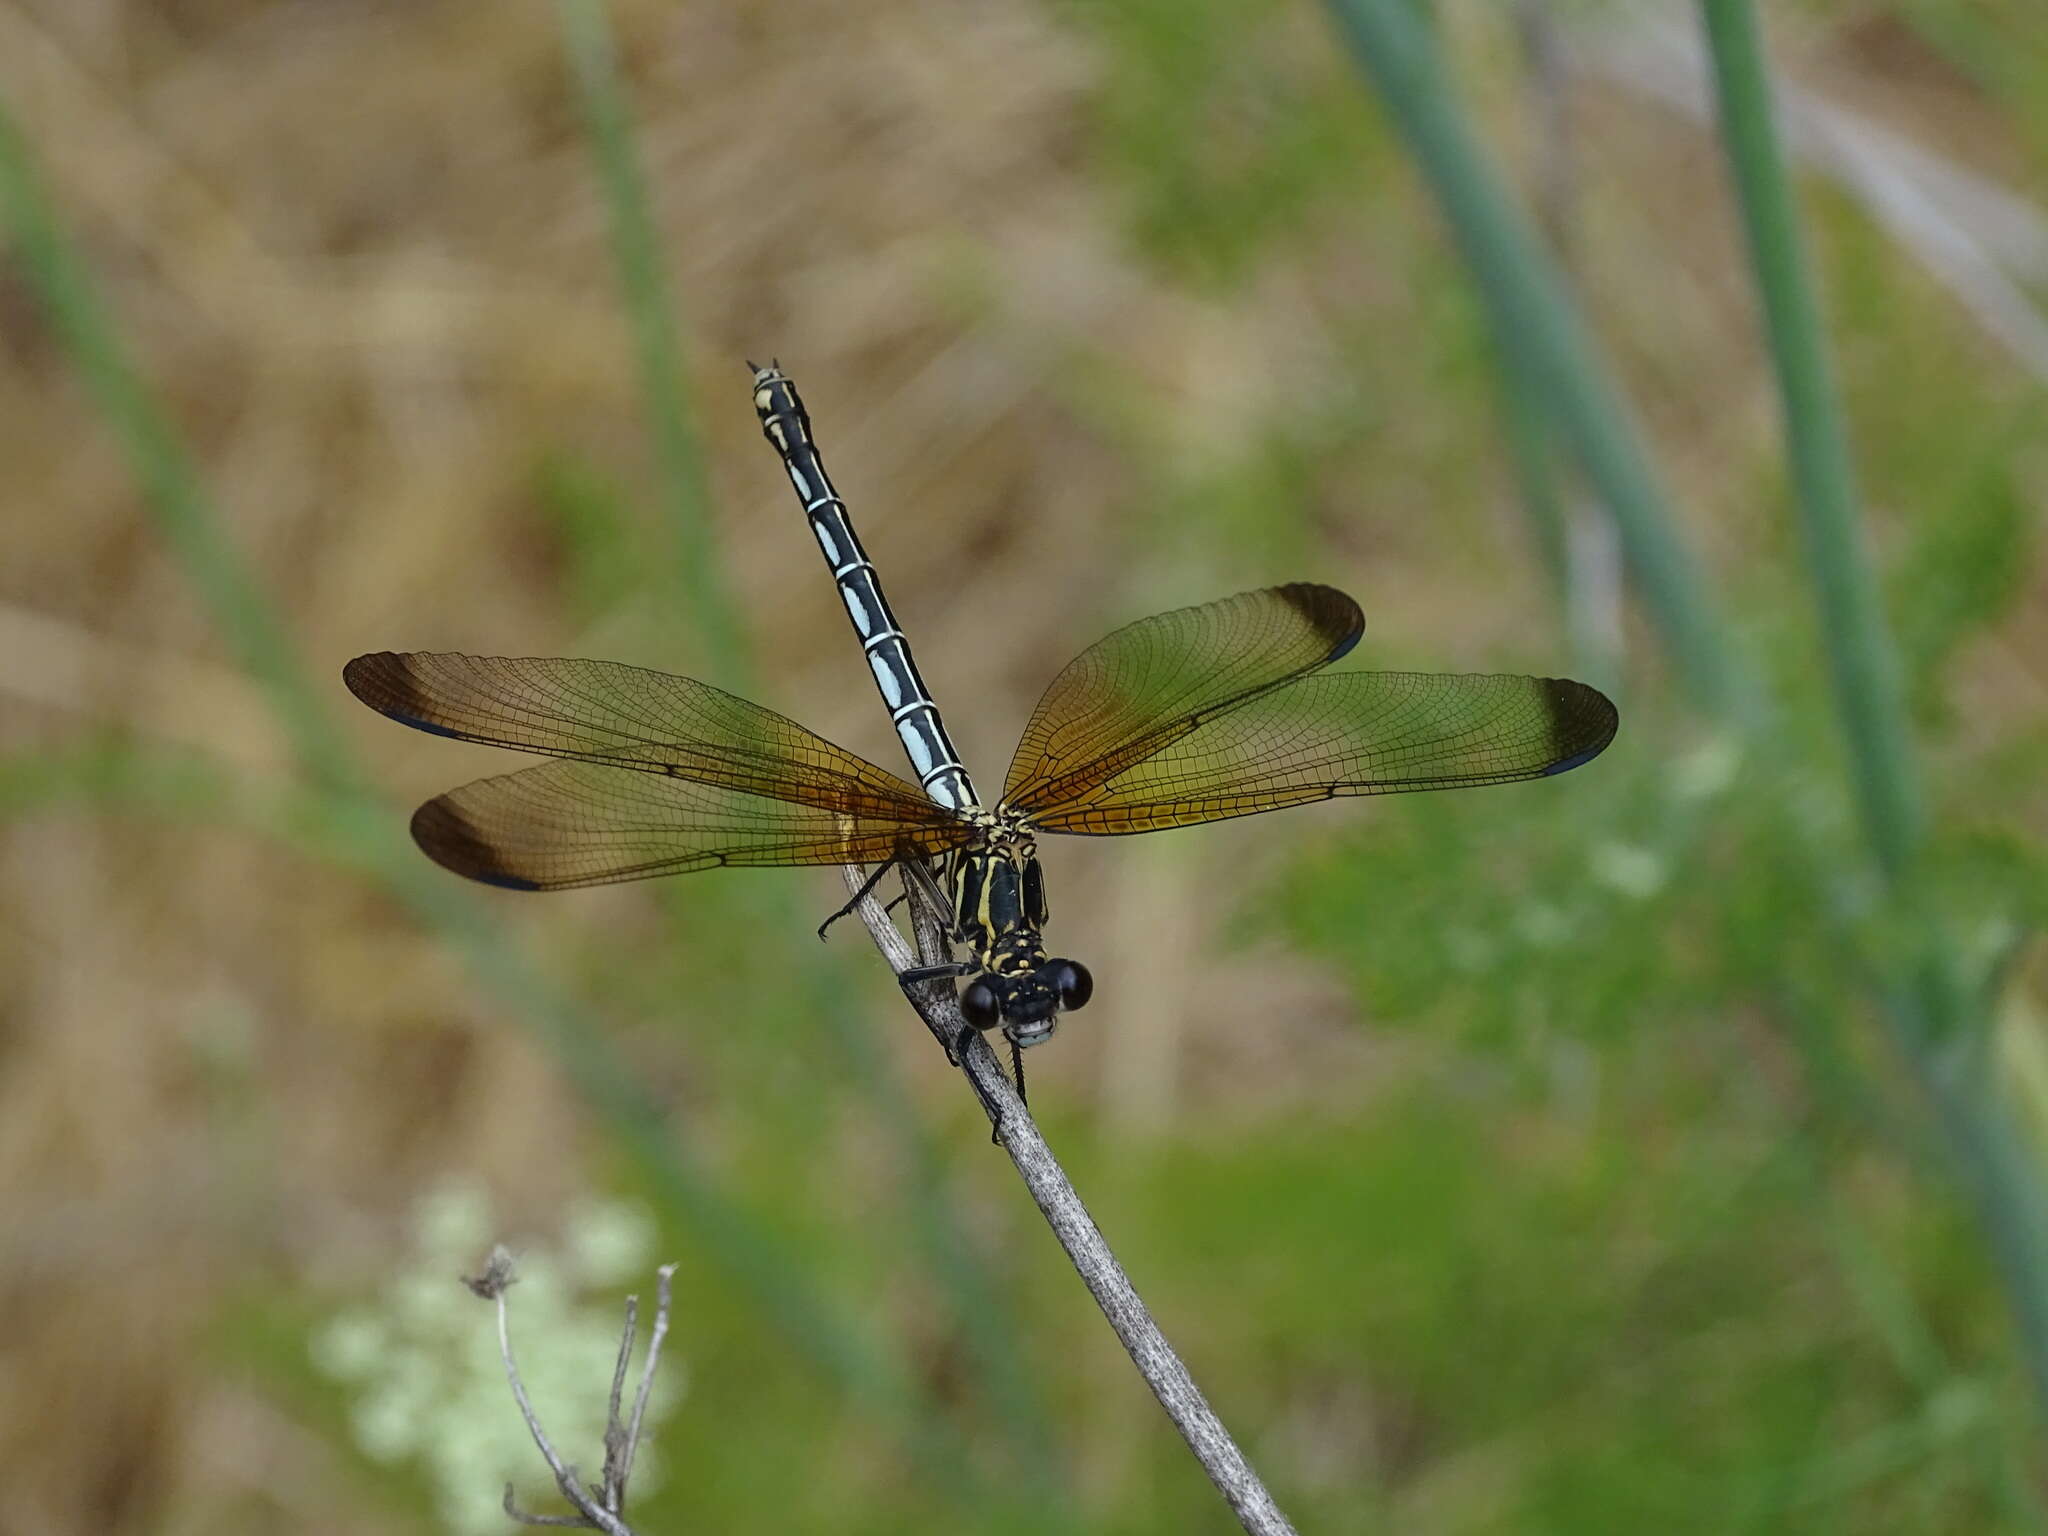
599	1506
525	1518
614	1432
1018	1133
664	1289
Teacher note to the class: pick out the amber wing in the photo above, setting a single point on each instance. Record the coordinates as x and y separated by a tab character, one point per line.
1135	692
1208	713
656	775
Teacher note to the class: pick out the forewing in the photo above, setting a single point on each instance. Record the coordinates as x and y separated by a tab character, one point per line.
577	822
1130	695
632	718
1357	733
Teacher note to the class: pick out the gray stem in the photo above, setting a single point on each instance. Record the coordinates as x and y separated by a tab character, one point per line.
1155	1359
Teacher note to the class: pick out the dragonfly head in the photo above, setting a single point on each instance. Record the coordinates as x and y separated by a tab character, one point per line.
1029	1003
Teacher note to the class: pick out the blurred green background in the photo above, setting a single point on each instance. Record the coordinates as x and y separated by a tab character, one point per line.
1659	1148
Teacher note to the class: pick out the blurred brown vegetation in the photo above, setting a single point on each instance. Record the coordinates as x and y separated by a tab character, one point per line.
362	253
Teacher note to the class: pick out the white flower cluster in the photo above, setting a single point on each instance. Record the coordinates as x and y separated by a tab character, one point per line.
424	1372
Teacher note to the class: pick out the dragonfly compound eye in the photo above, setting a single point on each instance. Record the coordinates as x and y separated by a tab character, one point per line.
979	1005
1075	985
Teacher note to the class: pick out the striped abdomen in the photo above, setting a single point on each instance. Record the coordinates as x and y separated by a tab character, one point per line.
911	710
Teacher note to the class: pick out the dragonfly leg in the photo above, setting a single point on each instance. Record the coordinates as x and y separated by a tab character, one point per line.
948	971
927	883
918	974
858	897
958	1052
995	1115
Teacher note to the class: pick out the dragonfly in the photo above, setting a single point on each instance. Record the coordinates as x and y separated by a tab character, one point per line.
1197	715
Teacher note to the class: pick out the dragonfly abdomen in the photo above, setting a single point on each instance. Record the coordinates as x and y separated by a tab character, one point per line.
787	425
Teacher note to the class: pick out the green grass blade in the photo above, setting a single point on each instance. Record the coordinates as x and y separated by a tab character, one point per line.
108	771
1930	1016
1997	1169
636	242
1532	315
158	459
1861	659
1538	475
653	318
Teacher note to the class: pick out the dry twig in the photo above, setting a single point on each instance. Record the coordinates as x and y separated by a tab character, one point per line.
1018	1134
599	1506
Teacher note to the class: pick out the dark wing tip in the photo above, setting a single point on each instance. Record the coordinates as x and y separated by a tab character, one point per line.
449	838
364	675
385	681
1328	612
1583	721
389	682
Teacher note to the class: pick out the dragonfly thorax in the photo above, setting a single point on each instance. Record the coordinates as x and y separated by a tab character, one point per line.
999	912
998	891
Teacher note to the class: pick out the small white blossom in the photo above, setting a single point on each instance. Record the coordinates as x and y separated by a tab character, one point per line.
350	1345
1630	869
454	1220
423	1364
389	1420
1706	771
1543	926
609	1240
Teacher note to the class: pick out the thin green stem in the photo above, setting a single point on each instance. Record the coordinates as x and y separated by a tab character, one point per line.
1539	476
1997	1170
1934	1024
657	337
1533	316
1861	660
653	316
158	459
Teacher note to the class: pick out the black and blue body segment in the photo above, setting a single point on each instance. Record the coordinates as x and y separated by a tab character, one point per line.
936	762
